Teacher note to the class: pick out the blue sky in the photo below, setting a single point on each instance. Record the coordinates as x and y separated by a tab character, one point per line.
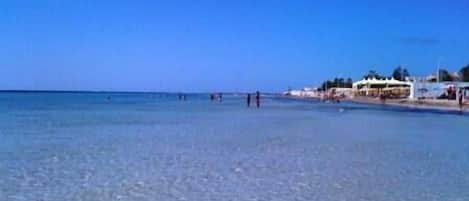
222	45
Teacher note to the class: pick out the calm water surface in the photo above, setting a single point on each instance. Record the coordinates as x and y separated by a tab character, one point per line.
80	146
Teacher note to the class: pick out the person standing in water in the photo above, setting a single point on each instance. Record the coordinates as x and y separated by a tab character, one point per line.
220	97
248	100
258	99
460	99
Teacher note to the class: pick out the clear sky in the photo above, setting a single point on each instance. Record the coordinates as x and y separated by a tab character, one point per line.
222	45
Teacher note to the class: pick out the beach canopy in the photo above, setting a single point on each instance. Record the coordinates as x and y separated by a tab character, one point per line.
374	81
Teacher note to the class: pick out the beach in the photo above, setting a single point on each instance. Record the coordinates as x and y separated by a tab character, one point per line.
420	104
151	146
424	104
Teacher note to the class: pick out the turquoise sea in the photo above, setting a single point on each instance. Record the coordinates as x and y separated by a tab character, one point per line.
150	146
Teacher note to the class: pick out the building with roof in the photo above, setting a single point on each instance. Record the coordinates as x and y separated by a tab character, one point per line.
375	87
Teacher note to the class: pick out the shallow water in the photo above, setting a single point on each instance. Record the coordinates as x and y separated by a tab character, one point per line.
81	146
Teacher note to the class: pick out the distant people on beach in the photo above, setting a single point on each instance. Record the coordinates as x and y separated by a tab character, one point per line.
248	100
382	97
220	97
212	97
258	99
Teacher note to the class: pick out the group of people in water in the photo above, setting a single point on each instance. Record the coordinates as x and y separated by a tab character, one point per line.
181	97
258	99
219	97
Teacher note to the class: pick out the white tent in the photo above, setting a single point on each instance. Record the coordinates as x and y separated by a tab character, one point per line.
374	85
374	81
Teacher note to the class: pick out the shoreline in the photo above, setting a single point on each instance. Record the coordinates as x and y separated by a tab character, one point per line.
429	104
443	105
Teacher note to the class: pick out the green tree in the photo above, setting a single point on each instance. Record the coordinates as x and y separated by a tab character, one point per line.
349	83
337	82
445	76
400	73
464	73
372	74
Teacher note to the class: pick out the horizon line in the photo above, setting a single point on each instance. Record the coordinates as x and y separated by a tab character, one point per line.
117	91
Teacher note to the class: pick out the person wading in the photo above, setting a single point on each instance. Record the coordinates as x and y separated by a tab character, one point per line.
248	100
212	97
258	99
460	99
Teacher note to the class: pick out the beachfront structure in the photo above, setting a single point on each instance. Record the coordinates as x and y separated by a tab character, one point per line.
375	87
305	92
422	89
